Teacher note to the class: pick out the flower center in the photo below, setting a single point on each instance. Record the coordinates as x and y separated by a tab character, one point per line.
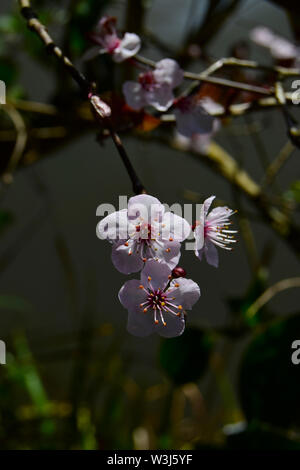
184	104
160	302
147	81
145	231
111	43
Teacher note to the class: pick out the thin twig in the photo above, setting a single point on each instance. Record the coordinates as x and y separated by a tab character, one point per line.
85	86
273	169
270	292
20	143
205	77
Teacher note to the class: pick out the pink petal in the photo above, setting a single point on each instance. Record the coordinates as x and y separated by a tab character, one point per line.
167	71
175	227
161	97
174	326
262	36
194	121
134	95
211	253
145	206
155	275
186	294
124	262
114	226
140	324
128	47
199	237
168	252
131	296
207	203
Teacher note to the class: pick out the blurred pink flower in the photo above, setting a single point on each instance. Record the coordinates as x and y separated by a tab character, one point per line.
143	231
155	304
107	38
212	230
154	88
193	115
279	47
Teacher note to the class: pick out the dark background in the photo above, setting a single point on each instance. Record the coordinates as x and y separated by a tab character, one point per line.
58	295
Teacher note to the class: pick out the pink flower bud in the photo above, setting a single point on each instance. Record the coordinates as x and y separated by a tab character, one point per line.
100	106
178	272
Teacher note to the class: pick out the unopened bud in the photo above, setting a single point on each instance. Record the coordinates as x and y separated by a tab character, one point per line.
178	272
100	106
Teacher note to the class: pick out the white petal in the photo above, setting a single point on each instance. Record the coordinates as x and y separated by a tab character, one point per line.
211	253
174	326
155	275
207	203
166	251
283	49
186	294
161	97
140	324
114	226
167	71
174	226
146	207
199	237
124	262
134	95
128	47
262	36
195	121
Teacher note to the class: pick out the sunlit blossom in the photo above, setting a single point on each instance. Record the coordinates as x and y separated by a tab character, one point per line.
212	230
154	87
107	38
143	231
157	303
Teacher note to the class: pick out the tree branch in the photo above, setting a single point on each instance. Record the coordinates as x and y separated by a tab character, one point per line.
87	88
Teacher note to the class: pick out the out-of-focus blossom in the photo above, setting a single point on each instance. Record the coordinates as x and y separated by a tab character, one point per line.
193	115
156	303
213	230
155	87
107	38
198	143
143	231
279	47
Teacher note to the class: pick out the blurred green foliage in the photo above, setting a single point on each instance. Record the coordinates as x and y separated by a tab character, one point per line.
269	381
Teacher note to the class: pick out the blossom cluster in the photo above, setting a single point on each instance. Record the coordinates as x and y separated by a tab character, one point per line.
146	238
154	86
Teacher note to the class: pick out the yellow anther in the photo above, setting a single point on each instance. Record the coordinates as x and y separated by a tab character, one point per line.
149	278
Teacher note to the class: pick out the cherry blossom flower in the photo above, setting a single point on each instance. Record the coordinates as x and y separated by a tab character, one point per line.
143	231
154	88
156	303
279	47
107	38
212	230
193	115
